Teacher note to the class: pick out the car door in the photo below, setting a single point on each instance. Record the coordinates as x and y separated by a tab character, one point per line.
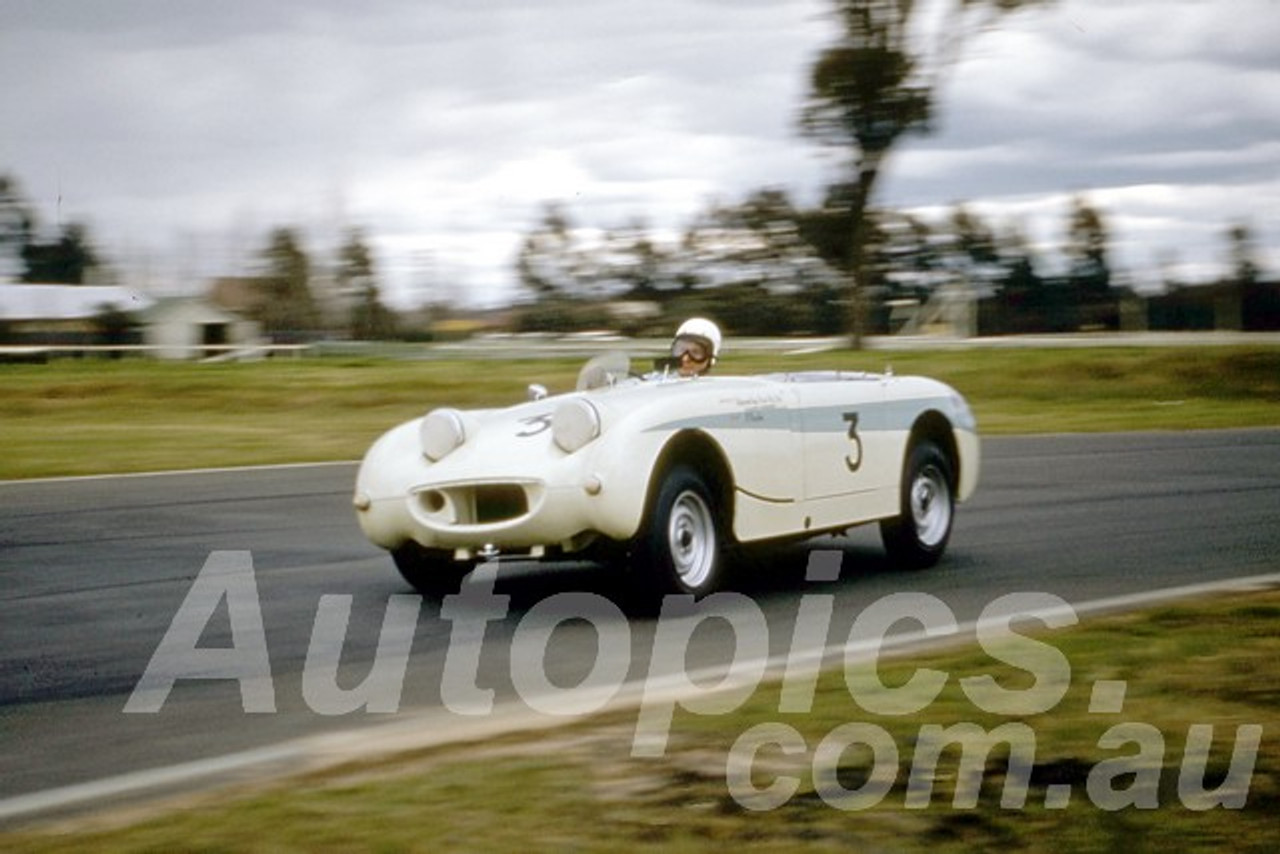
844	452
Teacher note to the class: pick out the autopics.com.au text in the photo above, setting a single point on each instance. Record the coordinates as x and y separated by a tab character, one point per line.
1128	779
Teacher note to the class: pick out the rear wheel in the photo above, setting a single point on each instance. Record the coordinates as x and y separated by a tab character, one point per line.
432	572
917	537
680	550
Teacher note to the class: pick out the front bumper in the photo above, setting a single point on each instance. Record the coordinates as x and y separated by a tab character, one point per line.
466	518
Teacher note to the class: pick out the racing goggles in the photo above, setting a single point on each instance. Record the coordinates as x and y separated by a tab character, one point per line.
697	350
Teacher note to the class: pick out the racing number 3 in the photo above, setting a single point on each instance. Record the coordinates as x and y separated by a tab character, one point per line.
537	424
854	459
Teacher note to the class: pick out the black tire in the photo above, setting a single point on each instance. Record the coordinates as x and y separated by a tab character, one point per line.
680	549
917	537
432	572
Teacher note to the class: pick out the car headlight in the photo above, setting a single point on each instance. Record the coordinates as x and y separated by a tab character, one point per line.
441	432
574	424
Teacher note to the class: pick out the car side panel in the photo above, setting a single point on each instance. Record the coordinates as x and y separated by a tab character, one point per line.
752	424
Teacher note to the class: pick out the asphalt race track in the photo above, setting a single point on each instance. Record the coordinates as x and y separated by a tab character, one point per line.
94	571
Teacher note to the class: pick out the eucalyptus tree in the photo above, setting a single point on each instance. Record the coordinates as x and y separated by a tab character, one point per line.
1088	269
287	304
879	82
16	221
1242	254
553	263
367	317
69	258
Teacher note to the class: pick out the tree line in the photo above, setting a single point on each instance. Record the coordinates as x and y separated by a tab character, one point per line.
761	266
765	266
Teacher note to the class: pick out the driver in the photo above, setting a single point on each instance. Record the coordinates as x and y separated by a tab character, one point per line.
696	346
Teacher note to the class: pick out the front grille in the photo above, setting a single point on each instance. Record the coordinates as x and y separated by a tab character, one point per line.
476	503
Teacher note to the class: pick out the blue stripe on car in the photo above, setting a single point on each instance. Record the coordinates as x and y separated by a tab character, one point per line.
872	416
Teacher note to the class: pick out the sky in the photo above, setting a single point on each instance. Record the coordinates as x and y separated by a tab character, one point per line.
183	131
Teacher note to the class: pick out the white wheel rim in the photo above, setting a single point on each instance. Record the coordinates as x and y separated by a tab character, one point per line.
931	506
691	538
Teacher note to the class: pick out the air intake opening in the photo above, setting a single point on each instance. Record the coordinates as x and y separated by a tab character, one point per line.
499	502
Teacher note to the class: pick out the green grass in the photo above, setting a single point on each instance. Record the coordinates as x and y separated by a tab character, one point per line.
579	789
75	417
100	416
1035	391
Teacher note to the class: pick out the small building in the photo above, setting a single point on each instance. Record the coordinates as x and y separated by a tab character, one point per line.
194	328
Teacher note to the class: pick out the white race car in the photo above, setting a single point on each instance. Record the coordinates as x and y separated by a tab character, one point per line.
667	472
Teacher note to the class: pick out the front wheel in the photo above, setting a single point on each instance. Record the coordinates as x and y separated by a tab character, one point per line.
432	572
917	537
679	551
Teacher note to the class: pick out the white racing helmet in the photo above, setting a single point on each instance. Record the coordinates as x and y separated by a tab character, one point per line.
704	330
